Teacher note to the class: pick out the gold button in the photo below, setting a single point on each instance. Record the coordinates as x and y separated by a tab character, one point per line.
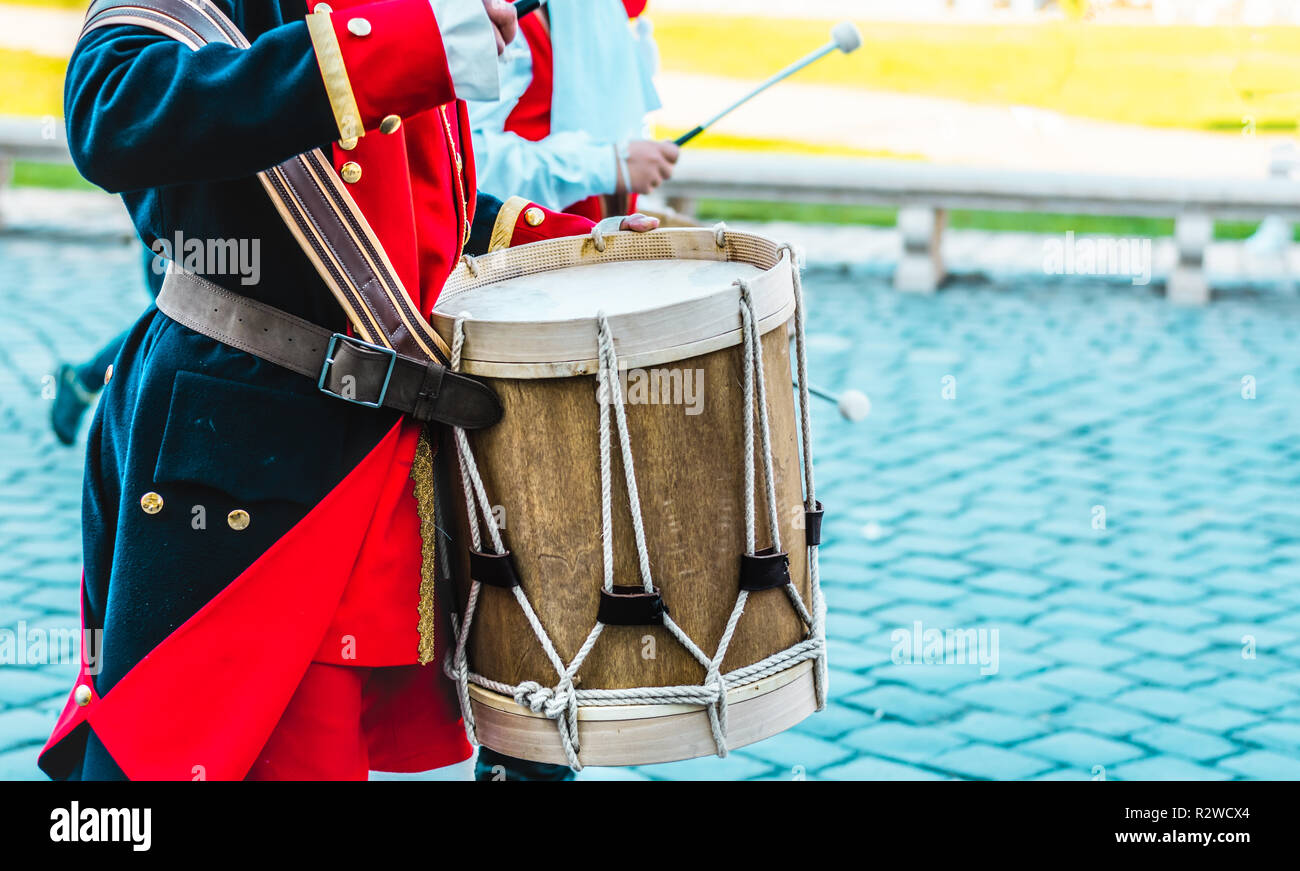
323	8
108	374
348	144
359	27
390	124
151	502
534	216
351	172
82	695
238	519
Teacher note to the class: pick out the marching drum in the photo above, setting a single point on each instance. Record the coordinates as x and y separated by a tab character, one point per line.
641	581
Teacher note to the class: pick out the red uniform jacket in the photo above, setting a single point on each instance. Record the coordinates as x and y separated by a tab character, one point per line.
339	583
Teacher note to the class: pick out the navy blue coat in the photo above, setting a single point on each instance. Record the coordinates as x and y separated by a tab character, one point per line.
180	135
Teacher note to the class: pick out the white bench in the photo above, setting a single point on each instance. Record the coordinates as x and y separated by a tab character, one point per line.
41	140
923	193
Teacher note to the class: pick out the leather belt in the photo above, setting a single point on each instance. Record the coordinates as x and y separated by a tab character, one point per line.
342	366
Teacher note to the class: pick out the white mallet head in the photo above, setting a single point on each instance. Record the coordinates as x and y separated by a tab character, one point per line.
854	405
846	36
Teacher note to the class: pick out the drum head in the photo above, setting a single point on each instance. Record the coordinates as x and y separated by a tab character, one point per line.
531	312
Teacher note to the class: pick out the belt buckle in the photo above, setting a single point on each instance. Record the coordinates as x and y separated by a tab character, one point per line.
357	343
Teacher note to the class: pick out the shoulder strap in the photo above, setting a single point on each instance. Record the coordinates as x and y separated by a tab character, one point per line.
308	194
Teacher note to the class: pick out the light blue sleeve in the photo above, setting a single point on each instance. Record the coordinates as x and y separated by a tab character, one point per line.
471	47
559	171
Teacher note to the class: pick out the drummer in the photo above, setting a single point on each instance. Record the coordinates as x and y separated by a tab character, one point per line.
568	131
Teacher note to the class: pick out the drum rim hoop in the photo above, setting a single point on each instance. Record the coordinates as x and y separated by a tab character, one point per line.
760	687
517	349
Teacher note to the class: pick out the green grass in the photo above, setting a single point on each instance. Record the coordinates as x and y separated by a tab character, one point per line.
65	177
709	210
1191	77
58	176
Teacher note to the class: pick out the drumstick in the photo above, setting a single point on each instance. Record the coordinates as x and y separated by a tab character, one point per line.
523	7
844	37
853	404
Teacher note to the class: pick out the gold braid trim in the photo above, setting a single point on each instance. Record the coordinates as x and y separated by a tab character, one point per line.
503	229
422	475
329	57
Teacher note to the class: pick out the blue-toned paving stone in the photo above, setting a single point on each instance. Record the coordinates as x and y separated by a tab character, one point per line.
1243	607
871	768
1264	636
897	702
1162	590
903	741
736	766
1077	681
20	764
967	514
1009	582
1221	719
998	728
988	762
1081	749
1166	768
1180	741
1158	670
19	726
1087	652
1157	640
1000	607
1253	694
809	752
936	677
1166	703
1081	623
899	587
1281	736
1012	696
1263	765
835	720
1106	719
1068	774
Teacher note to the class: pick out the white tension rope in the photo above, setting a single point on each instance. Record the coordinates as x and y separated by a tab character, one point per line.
562	701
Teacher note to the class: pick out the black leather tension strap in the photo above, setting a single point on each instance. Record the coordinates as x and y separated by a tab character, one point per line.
493	569
764	570
812	525
631	605
342	366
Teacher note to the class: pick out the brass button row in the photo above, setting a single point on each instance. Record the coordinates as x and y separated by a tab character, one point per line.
152	503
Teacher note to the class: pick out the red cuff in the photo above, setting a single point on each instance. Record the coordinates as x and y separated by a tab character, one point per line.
392	56
536	223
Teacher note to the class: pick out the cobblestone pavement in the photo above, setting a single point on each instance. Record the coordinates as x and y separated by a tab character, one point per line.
1072	466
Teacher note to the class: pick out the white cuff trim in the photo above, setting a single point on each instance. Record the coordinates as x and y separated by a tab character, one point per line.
471	48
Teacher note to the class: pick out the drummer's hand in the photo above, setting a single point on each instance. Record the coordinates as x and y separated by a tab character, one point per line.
639	223
649	164
504	22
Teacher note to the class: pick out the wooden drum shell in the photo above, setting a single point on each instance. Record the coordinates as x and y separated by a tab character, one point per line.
690	473
541	469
